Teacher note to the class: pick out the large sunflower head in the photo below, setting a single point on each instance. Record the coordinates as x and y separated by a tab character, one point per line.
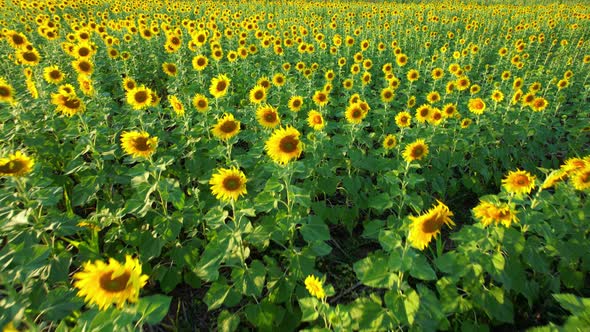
320	98
284	145
415	151
228	184
176	104
403	119
580	179
53	75
315	120
279	79
389	142
427	226
17	164
518	182
6	92
67	103
476	106
295	103
423	113
226	127
129	83
170	69
354	113
29	57
219	86
267	116
496	213
83	66
138	144
113	283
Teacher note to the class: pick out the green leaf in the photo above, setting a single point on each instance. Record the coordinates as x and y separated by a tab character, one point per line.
265	316
373	271
381	202
153	308
315	230
368	315
575	305
227	322
208	265
421	269
216	295
498	306
411	304
308	311
251	280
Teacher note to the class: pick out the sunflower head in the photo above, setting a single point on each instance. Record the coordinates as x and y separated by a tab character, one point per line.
17	164
228	184
267	116
427	226
315	120
389	142
284	145
354	113
140	97
201	103
219	86
415	151
496	213
226	127
113	283
295	103
403	119
518	182
476	106
314	287
257	94
138	144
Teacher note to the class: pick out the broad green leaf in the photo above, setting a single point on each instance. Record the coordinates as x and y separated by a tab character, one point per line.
315	230
373	271
308	309
421	269
227	322
153	308
216	295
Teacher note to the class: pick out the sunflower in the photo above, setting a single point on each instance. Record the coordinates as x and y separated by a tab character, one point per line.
354	113
423	113
518	182
84	51
29	57
314	287
449	110
85	84
219	86
320	98
6	92
580	179
437	73
129	84
201	103
348	83
476	106
228	184
278	79
53	75
284	145
497	96
462	83
554	178
176	104
200	62
572	165
113	283
387	95
436	116
427	226
16	39
413	75
465	123
539	104
138	144
139	97
83	66
403	119
389	142
17	164
433	97
257	94
226	127
68	104
267	116
315	120
264	82
415	151
170	69
295	103
497	213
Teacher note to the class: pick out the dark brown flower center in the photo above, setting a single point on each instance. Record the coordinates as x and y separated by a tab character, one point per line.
171	68
288	144
55	74
84	66
30	56
84	51
115	285
201	103
232	183
221	85
141	96
72	103
431	224
258	95
270	117
12	167
141	144
417	151
17	39
318	119
228	126
4	91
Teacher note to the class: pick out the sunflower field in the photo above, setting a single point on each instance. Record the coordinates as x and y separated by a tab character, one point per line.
294	165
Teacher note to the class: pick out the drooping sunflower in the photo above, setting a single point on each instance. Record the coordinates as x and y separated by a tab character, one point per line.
284	145
16	164
314	287
53	75
176	104
415	151
465	123
389	142
113	283
554	178
139	97
257	94
315	120
476	106
138	144
267	116
85	84
518	182
219	86
295	103
228	184
427	226
497	213
320	98
6	92
226	127
403	119
170	69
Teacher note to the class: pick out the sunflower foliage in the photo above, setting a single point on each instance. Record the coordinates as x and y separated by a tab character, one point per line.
230	165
